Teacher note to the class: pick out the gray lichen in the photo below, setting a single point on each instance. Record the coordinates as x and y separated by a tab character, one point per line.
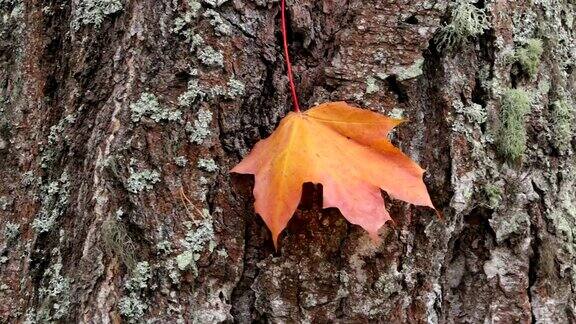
196	92
6	203
389	282
236	88
173	271
473	113
509	223
181	161
54	200
512	135
200	237
164	247
142	181
139	277
562	224
93	12
467	21
207	165
184	24
396	113
371	85
200	130
55	295
215	3
221	27
11	231
148	106
202	190
195	42
467	121
132	306
55	132
184	260
56	139
405	73
211	57
29	179
11	10
192	93
222	253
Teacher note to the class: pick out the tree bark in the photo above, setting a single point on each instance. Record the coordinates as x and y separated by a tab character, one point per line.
120	121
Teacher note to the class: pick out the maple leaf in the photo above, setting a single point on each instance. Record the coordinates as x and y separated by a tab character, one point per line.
345	149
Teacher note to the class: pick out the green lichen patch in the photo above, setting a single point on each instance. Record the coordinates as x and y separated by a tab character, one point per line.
93	12
562	118
467	21
148	106
528	56
515	104
493	194
142	181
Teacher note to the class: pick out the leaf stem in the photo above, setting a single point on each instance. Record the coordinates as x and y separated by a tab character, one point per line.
287	57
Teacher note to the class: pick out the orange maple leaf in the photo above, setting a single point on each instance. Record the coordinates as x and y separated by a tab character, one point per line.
346	150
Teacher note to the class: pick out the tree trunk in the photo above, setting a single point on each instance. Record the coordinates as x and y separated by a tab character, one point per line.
120	121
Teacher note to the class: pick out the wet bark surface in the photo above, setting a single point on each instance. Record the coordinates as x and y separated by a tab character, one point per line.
120	121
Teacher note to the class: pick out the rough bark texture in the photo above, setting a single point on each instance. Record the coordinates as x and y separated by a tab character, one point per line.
113	112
